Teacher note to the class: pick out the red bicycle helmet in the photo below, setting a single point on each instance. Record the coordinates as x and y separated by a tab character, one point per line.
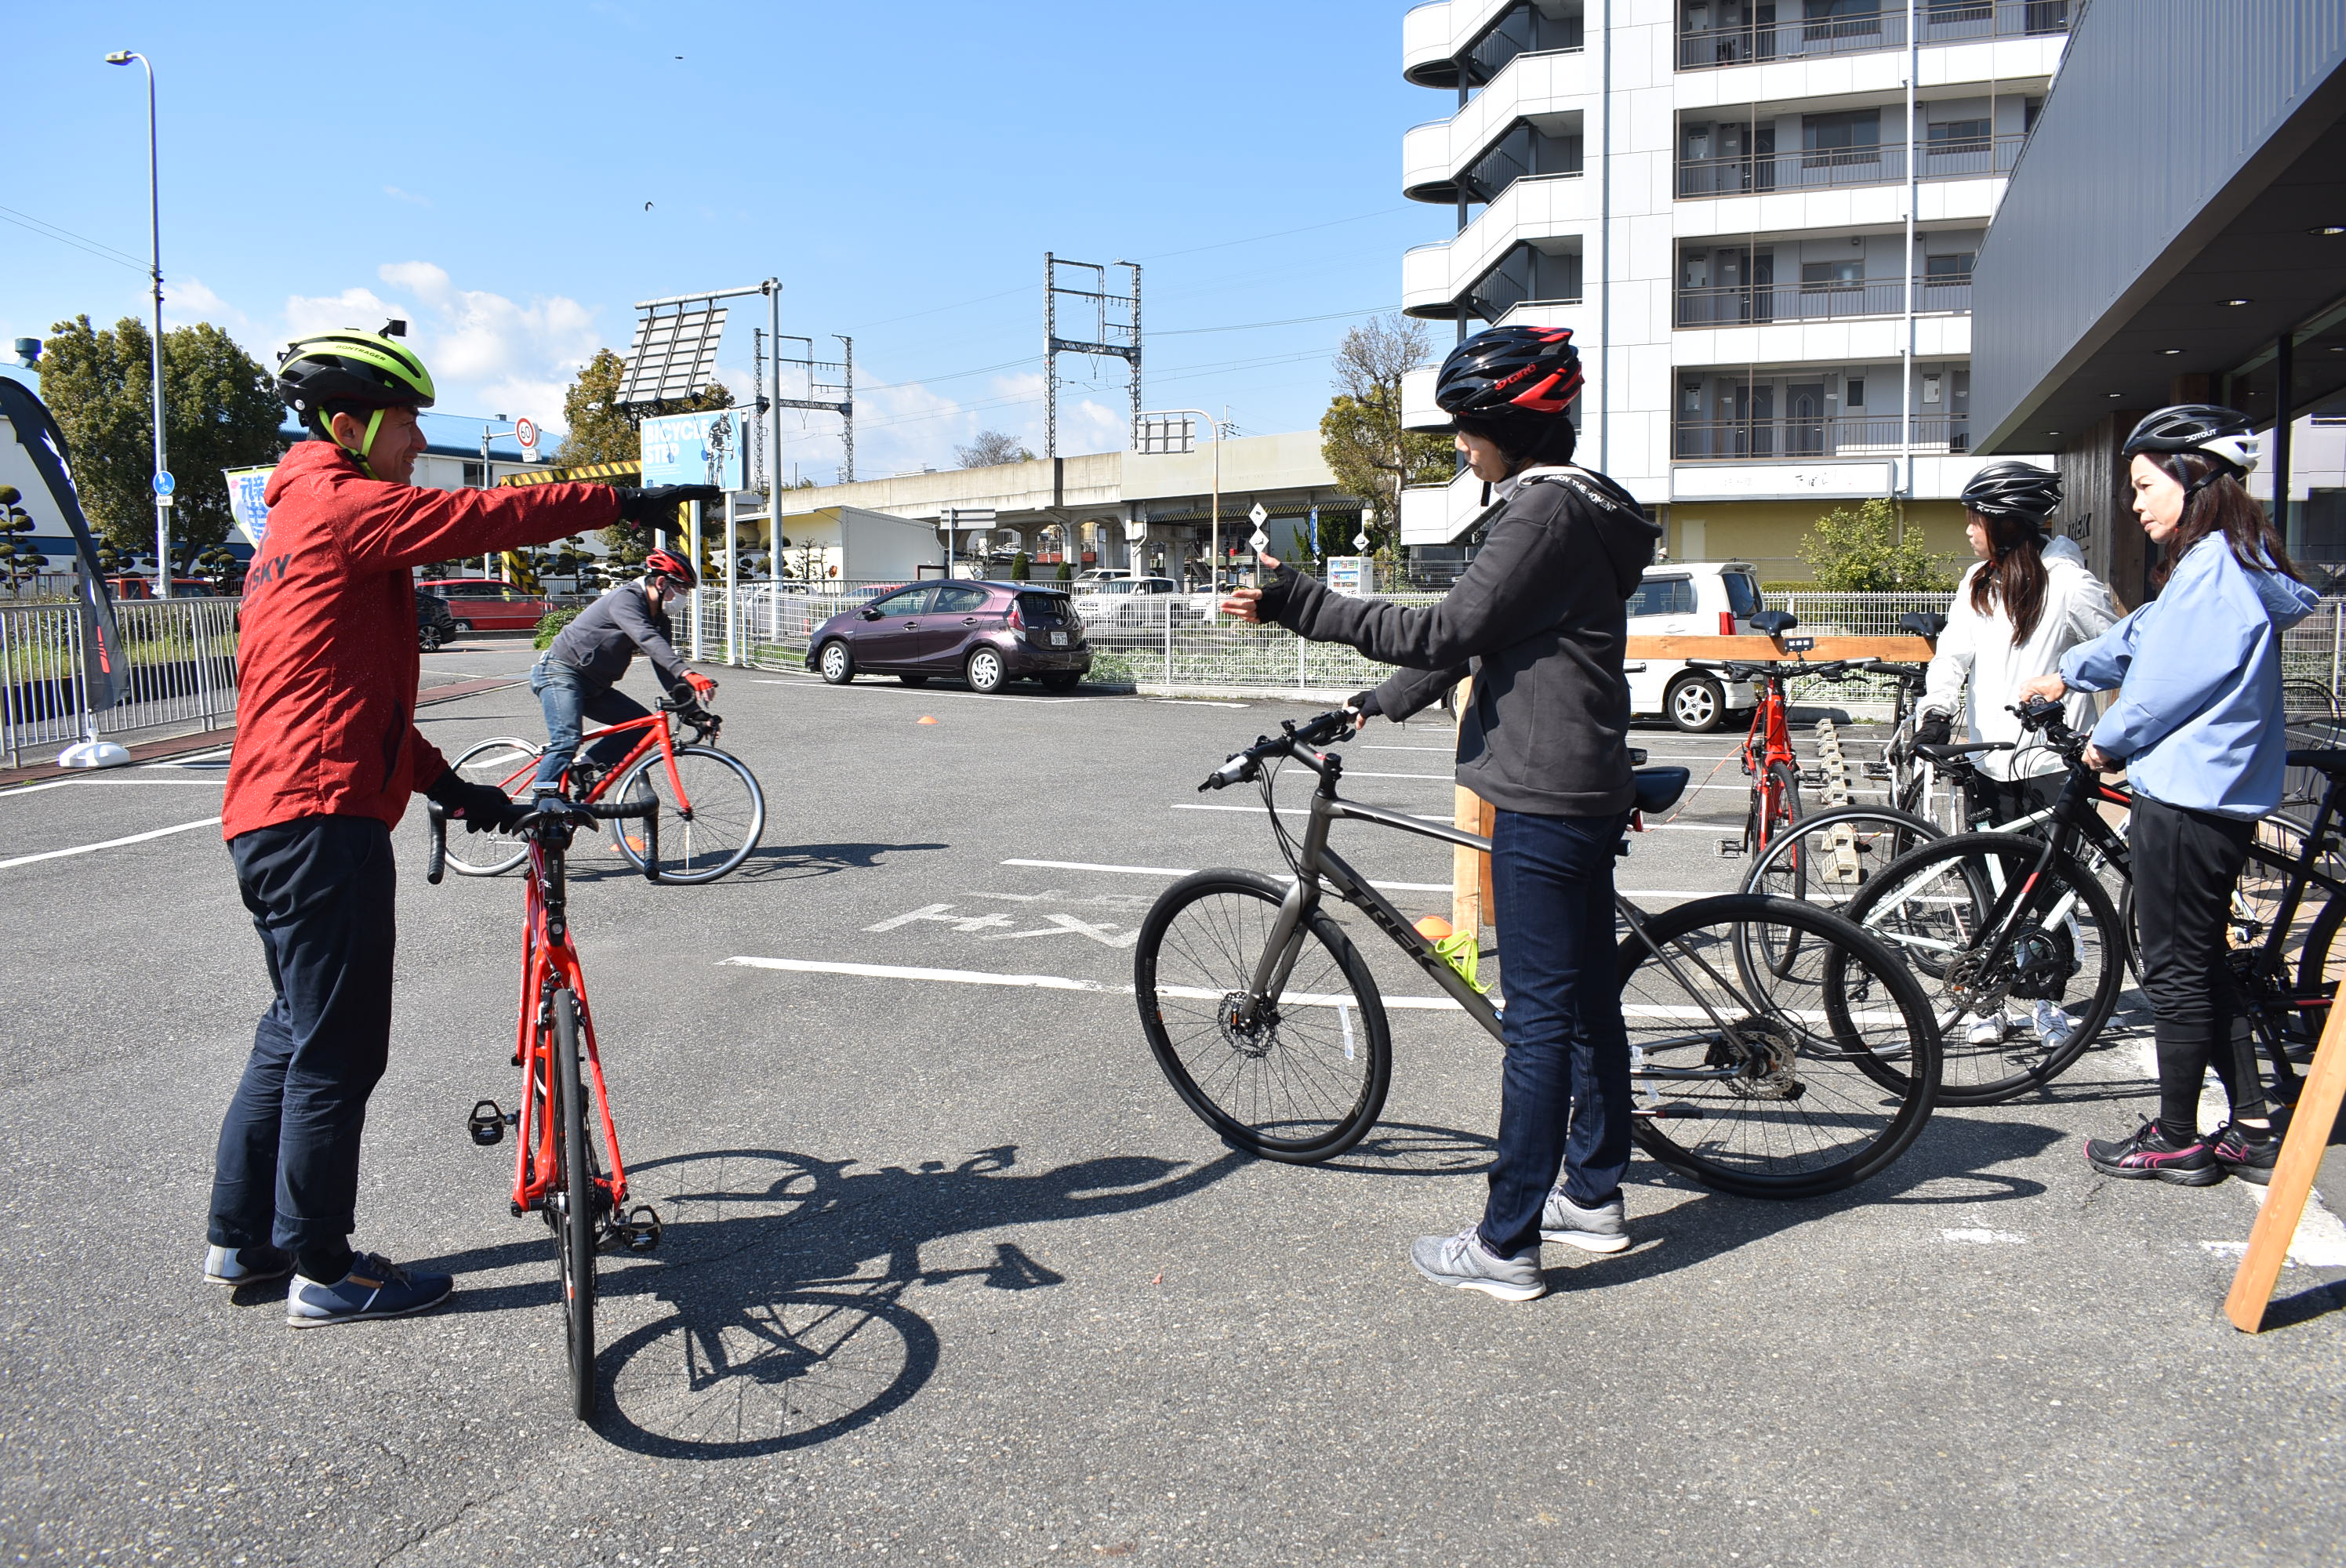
669	563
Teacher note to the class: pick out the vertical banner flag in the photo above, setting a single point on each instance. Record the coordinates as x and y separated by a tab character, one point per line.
101	643
246	486
693	449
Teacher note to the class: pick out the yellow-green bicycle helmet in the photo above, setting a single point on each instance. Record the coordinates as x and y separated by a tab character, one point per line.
366	369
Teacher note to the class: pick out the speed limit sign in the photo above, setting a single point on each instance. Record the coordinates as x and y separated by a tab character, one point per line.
526	431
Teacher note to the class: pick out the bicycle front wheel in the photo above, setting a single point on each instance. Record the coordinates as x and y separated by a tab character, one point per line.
1828	856
1298	1077
708	829
575	1222
1771	1085
2014	1011
505	764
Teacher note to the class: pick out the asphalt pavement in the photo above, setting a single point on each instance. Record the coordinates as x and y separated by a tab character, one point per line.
951	1276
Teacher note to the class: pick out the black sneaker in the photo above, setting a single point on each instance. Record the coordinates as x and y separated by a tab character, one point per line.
2149	1155
2245	1151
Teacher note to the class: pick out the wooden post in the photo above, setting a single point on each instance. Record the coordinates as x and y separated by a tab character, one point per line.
2292	1178
1470	870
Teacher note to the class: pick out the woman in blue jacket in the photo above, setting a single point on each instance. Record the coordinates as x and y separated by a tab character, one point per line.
2198	729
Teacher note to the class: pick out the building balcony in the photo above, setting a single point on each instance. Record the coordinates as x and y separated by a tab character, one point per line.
1869	31
1840	436
1840	167
1464	43
1546	212
1761	304
1434	156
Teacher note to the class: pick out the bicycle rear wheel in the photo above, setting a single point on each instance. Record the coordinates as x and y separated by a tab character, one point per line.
505	764
575	1224
1767	1085
1938	907
727	814
1303	1077
1830	855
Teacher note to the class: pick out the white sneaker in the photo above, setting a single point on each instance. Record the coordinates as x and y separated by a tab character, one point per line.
1987	1030
2053	1025
1460	1262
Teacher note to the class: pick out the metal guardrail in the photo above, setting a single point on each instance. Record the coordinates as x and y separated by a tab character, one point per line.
1834	435
1867	32
179	669
1836	168
1759	304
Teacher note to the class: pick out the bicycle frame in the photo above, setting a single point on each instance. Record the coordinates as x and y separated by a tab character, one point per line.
550	963
1317	864
659	736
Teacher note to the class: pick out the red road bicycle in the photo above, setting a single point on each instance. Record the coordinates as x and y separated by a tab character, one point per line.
1768	760
567	1168
717	811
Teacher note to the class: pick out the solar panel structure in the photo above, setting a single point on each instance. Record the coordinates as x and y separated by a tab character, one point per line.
674	355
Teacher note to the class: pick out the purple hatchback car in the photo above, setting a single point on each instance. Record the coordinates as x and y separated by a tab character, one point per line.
987	633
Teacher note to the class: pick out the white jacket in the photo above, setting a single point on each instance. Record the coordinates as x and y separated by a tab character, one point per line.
1977	648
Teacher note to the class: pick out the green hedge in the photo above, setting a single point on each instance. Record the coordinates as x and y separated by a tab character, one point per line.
551	626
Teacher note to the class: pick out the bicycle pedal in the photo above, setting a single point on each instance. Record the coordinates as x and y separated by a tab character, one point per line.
1730	848
487	1124
1877	771
1671	1112
640	1231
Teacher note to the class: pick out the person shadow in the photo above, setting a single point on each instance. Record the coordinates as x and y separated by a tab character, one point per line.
785	1278
598	861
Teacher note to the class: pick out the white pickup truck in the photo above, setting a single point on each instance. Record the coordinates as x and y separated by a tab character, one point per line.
1691	598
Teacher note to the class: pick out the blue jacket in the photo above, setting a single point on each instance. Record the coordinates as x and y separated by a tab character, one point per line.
2197	721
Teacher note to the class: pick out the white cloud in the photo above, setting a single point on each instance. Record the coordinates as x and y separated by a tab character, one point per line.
187	301
409	197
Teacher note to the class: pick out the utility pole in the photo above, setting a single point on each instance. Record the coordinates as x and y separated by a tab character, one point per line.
1115	333
155	221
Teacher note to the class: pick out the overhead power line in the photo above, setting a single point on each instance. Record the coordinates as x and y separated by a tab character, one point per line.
63	236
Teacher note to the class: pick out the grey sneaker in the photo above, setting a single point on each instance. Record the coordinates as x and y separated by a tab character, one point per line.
235	1266
1604	1229
1463	1263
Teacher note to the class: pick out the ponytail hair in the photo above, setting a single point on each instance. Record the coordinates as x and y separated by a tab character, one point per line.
2013	576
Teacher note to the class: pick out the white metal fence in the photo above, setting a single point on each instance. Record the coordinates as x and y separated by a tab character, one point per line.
179	669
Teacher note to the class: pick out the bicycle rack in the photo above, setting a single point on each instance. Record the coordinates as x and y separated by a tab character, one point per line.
487	1124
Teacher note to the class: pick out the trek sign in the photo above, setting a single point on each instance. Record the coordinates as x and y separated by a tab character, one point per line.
695	448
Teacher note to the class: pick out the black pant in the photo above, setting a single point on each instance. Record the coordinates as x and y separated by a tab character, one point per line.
2185	863
320	894
1564	1101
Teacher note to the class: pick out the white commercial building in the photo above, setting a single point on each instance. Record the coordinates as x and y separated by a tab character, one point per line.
1765	258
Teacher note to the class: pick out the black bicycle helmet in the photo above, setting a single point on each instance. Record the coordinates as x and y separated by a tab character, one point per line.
2223	434
2014	489
1510	370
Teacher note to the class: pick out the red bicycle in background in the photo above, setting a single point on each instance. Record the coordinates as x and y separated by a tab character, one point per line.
718	811
567	1169
1768	760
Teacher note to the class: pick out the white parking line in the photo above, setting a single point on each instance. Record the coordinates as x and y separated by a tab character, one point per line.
1169	872
110	843
11	794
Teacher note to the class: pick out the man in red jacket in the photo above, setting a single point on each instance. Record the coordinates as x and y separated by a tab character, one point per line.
327	755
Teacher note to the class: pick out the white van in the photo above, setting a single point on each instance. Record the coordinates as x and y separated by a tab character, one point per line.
1691	598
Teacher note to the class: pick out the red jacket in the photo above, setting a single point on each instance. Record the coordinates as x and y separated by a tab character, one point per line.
327	662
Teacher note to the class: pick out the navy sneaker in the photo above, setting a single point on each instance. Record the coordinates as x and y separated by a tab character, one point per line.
2149	1155
374	1288
235	1266
2248	1153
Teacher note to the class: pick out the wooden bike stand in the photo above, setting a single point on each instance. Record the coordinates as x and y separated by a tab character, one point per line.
2292	1178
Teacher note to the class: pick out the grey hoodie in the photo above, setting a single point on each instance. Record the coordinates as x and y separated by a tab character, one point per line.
602	642
1540	619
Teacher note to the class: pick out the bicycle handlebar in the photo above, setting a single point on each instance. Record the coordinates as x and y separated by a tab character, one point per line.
1784	669
564	816
1293	740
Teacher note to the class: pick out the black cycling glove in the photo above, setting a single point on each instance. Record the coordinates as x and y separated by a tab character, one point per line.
656	506
1275	594
1934	730
1365	704
482	807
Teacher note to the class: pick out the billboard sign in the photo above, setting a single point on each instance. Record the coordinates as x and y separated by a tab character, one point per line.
245	488
695	448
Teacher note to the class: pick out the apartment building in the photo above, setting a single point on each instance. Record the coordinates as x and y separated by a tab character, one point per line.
1761	230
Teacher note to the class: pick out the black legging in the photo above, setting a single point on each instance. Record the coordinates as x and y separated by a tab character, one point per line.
2185	864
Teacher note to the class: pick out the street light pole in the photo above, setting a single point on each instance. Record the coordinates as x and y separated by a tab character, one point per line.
155	221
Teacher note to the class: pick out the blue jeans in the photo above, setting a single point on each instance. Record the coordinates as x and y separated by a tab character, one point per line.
1564	1099
569	698
321	892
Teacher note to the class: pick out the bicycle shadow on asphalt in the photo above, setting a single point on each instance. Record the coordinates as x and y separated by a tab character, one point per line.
785	1275
771	862
1956	1159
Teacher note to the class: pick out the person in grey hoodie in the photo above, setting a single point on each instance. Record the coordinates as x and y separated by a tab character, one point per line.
577	677
2199	729
1541	621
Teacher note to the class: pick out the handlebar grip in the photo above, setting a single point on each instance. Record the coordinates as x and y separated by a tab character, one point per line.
436	858
613	811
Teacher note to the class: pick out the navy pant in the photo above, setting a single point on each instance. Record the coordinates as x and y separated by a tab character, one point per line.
321	892
568	697
1564	1100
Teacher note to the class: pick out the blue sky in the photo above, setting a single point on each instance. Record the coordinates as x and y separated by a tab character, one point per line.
484	171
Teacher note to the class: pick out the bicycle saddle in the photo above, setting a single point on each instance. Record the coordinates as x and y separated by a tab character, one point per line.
1922	625
1658	789
1961	749
1774	623
2333	763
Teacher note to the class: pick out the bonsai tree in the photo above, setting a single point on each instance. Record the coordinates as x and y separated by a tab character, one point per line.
18	558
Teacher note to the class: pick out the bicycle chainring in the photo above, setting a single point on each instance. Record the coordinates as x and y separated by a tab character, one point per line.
1765	1054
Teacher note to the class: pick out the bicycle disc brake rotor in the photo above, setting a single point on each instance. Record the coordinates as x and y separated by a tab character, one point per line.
1254	1038
1765	1055
1977	988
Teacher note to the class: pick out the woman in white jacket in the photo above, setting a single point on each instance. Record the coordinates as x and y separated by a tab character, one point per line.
2028	600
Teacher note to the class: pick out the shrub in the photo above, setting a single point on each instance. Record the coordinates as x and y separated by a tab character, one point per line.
1856	549
551	626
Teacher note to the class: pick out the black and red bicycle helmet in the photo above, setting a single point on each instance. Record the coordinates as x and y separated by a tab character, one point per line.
669	563
1510	370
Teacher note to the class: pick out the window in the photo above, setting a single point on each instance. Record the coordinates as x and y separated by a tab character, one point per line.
956	599
1742	593
1855	386
1663	596
473	479
1853	137
907	602
1958	135
1955	268
1846	274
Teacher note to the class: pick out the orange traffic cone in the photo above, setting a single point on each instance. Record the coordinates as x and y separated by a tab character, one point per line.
927	719
1434	928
